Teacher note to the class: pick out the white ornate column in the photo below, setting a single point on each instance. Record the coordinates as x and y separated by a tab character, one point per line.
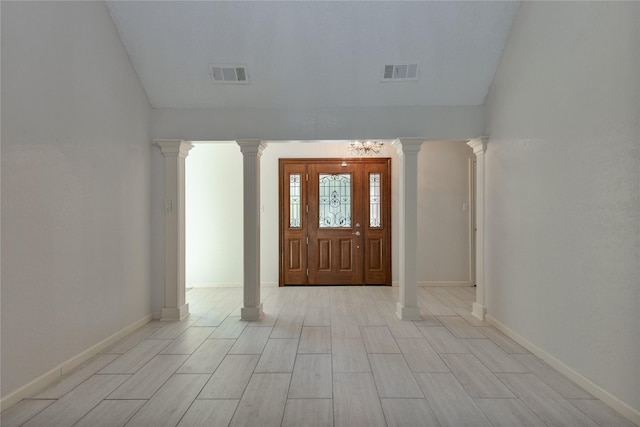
175	151
479	146
251	152
408	149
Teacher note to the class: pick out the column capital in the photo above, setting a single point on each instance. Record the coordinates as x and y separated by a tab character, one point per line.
174	147
408	145
251	146
479	145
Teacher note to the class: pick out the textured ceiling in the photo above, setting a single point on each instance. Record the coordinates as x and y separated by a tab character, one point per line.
314	54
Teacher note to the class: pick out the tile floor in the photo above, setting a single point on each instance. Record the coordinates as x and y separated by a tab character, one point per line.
322	356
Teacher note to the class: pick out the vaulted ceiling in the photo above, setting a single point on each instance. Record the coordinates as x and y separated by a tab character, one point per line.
314	54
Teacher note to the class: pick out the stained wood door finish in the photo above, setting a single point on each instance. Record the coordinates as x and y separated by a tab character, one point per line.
334	228
335	241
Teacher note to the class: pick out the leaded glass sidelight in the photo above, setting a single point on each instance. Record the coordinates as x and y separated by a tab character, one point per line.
294	200
334	200
375	216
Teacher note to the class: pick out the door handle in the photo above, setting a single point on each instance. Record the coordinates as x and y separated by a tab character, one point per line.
357	233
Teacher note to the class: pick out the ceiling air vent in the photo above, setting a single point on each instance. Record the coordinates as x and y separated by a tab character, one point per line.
229	74
400	73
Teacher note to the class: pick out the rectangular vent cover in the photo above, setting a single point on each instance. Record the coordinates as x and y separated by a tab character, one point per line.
229	74
400	72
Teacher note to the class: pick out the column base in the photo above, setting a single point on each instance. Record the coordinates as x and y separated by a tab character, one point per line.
408	313
175	313
478	310
251	313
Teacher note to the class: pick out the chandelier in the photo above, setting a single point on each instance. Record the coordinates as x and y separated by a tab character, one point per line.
366	148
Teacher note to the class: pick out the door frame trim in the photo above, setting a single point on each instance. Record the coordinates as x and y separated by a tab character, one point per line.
329	160
479	146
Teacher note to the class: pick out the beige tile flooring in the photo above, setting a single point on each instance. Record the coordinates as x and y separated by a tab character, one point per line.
322	356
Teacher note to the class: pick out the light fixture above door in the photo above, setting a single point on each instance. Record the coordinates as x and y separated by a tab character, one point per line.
366	148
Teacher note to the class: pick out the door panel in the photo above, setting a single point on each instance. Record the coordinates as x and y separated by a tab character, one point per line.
293	234
335	221
334	198
346	255
295	255
377	257
324	255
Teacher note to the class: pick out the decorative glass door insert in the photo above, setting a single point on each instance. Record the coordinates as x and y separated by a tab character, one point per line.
294	200
334	200
374	200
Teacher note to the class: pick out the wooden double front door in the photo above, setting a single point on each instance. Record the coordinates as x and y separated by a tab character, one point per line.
335	221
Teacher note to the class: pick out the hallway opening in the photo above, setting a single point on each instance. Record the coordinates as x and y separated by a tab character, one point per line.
214	211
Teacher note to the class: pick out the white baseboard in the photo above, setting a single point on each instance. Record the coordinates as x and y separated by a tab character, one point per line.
50	377
396	283
230	285
217	285
478	310
429	283
618	405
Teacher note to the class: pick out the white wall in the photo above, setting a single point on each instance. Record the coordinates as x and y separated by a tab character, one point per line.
563	189
214	215
433	123
443	222
214	209
75	186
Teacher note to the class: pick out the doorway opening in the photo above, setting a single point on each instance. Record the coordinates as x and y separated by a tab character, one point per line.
335	221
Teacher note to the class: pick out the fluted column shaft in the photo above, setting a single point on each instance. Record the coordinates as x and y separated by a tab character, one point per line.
175	152
251	152
408	149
